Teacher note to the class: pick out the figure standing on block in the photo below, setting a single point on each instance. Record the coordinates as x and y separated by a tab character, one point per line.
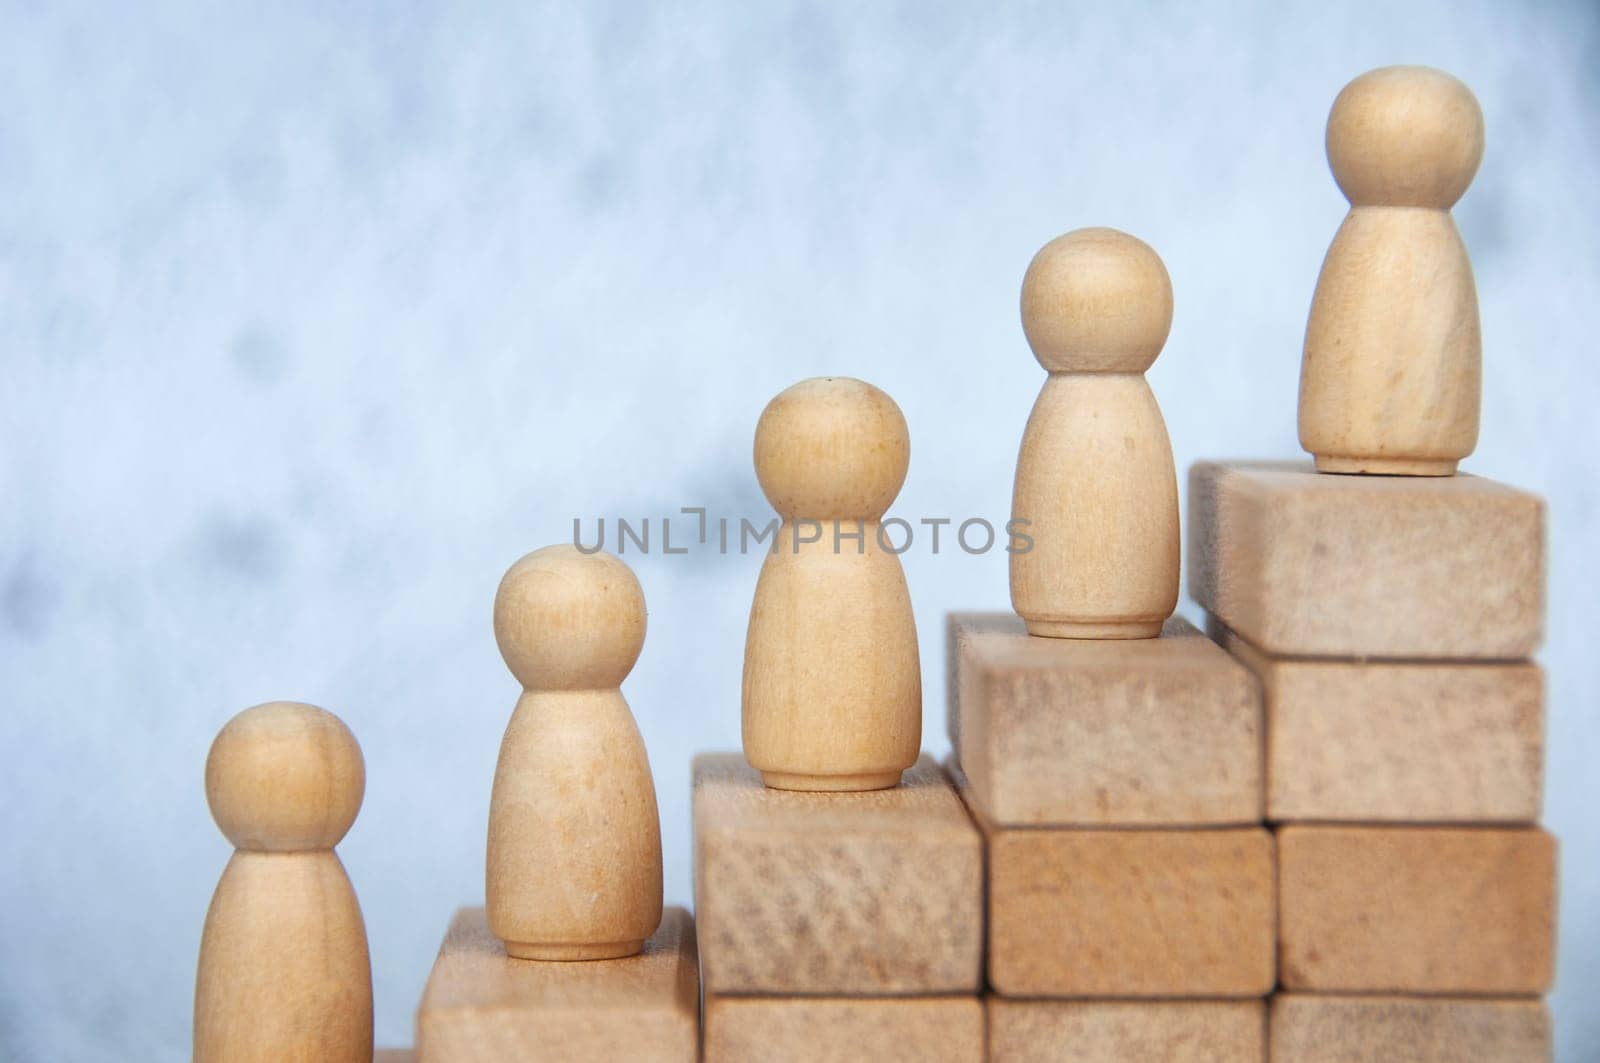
574	860
832	681
284	974
1095	478
1390	382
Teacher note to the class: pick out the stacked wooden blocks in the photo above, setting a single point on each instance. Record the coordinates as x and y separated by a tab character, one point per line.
1130	883
837	926
1389	620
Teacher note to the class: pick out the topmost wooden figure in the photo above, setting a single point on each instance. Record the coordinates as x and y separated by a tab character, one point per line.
832	680
1390	382
574	860
1095	478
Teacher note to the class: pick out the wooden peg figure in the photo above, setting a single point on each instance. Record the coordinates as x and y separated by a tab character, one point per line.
1390	381
832	681
284	974
1095	477
574	854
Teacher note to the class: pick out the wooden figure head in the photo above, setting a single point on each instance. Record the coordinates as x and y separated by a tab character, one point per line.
1096	301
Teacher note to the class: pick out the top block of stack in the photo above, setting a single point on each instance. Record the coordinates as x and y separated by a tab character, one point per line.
1306	564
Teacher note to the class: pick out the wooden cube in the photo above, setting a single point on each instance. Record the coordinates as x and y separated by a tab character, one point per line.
1428	910
940	1029
480	1005
1333	1029
877	893
1400	741
1302	563
1130	913
1076	732
1121	1031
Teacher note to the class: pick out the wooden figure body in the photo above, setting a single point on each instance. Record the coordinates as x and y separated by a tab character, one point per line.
284	974
832	696
1390	380
574	851
1095	477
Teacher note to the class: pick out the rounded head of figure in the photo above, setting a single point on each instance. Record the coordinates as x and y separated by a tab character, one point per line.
832	448
569	620
285	777
1096	301
1405	136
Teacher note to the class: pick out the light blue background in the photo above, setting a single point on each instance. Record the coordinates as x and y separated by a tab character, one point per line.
313	322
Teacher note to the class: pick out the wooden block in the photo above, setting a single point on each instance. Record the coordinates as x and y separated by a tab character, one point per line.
1416	909
1400	742
874	893
1121	1031
481	1005
1303	564
1332	1029
941	1029
1142	913
1073	732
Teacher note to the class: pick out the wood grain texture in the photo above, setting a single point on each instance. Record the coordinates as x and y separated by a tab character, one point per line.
482	1006
1391	376
873	893
1375	741
1076	732
1095	480
1367	566
573	867
832	688
940	1029
1121	1031
284	974
1141	913
1333	1029
1425	910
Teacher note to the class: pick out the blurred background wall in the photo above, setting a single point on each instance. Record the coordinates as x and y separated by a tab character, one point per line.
313	321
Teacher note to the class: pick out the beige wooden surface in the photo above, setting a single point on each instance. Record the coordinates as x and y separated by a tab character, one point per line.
1122	1031
1400	742
1334	1029
871	893
1063	732
1131	913
1302	564
941	1029
483	1006
1416	910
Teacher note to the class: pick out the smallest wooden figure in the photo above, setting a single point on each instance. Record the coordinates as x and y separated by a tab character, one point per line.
284	974
1390	381
1095	480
